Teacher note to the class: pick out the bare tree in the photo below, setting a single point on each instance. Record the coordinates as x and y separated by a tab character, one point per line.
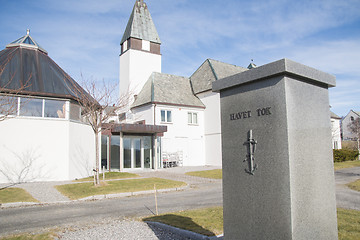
354	127
98	106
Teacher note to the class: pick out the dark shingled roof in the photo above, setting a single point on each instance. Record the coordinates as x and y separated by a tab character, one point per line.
168	89
30	71
210	71
141	25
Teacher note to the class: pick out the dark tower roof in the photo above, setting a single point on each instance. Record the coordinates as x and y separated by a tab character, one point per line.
141	25
25	68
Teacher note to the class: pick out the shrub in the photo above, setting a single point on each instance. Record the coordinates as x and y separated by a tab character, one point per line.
342	155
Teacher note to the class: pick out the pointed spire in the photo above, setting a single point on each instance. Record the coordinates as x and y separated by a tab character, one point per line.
141	25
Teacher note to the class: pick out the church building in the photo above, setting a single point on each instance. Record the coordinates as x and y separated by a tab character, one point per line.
43	135
186	106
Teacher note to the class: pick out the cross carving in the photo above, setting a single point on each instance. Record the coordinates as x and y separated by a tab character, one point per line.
251	144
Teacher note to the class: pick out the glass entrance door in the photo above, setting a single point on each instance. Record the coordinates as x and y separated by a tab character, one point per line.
137	152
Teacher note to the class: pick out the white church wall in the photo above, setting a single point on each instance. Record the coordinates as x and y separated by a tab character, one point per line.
212	127
135	68
81	150
182	138
48	149
145	112
39	146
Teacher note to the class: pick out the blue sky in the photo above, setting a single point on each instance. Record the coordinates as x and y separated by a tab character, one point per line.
83	36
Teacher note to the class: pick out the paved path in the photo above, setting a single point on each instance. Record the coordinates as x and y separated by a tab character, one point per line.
32	218
45	192
202	193
345	197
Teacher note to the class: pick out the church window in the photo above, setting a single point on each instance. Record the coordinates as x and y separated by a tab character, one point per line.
192	118
32	107
352	118
145	45
55	109
166	116
8	105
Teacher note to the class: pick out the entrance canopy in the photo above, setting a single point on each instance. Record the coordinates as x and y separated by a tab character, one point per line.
139	128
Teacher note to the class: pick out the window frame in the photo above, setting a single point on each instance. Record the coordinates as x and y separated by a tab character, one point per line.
194	116
166	116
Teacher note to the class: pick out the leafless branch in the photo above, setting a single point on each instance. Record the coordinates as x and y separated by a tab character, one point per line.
8	99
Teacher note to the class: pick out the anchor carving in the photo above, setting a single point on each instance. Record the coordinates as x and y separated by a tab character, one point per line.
251	142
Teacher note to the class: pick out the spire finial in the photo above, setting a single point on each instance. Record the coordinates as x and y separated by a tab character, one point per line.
27	31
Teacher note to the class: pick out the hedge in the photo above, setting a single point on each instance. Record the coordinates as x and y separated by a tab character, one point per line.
342	155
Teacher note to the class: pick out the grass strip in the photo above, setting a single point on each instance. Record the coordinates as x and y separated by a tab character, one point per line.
29	236
347	164
354	185
110	176
214	174
209	221
206	221
348	224
81	190
10	195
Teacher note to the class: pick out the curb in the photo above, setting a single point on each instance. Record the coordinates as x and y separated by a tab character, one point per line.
183	232
93	198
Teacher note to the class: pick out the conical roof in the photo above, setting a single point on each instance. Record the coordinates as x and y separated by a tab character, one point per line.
25	68
141	25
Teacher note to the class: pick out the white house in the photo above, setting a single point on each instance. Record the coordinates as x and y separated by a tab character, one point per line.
44	137
347	134
335	130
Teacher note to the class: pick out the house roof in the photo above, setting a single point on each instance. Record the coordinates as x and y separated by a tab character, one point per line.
141	25
210	71
30	71
167	89
333	115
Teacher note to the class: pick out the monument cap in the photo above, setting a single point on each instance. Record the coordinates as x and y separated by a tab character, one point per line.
280	67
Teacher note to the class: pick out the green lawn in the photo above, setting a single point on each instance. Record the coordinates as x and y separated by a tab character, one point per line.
9	195
109	176
209	221
347	164
214	174
81	190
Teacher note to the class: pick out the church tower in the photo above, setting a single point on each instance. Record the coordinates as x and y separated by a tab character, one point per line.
140	50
